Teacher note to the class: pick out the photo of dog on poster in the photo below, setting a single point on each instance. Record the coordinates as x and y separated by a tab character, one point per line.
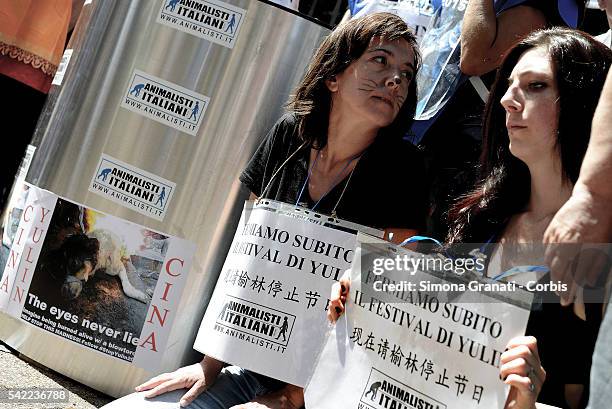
98	268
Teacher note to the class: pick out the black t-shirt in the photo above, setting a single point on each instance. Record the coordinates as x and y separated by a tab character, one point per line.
387	189
565	342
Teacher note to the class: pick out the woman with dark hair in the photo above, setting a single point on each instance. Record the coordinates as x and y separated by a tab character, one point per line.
337	151
349	110
536	132
537	128
579	66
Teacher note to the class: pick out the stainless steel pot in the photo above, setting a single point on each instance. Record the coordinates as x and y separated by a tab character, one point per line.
247	86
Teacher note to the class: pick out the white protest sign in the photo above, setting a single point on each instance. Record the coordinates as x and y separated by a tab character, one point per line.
414	352
415	13
19	193
94	279
26	245
267	313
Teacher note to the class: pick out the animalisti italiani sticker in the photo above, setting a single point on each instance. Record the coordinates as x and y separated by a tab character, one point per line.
211	20
165	102
132	187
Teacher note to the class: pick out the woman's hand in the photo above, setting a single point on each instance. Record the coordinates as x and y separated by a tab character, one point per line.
522	370
197	378
337	300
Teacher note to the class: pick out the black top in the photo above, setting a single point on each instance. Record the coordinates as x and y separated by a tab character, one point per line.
388	187
565	345
565	342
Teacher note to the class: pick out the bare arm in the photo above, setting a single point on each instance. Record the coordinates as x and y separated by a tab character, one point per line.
197	378
485	37
596	169
586	216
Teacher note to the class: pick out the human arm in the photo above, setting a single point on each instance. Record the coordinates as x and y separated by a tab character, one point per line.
586	216
485	37
520	367
197	378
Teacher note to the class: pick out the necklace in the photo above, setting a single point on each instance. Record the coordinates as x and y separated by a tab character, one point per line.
336	180
277	171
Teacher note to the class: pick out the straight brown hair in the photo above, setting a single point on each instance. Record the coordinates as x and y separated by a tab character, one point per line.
311	101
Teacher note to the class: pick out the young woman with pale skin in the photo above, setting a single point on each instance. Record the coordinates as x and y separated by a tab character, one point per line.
343	133
537	127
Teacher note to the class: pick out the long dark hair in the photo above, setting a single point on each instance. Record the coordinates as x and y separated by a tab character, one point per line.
311	101
580	64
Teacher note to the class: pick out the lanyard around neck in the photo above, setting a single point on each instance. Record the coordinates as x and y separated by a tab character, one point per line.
336	180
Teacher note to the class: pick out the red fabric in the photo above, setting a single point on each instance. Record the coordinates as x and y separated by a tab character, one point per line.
25	73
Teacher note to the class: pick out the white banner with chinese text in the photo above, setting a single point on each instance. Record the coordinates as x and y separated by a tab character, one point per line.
268	310
410	350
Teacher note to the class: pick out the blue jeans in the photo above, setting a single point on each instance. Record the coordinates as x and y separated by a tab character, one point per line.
601	369
233	386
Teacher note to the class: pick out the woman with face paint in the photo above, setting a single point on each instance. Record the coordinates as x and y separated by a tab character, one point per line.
339	151
342	137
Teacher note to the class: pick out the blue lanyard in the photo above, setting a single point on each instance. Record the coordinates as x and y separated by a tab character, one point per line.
508	273
521	269
514	270
414	239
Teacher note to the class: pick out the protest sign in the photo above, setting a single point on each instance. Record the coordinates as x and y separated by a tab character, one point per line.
400	350
14	206
94	279
268	310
